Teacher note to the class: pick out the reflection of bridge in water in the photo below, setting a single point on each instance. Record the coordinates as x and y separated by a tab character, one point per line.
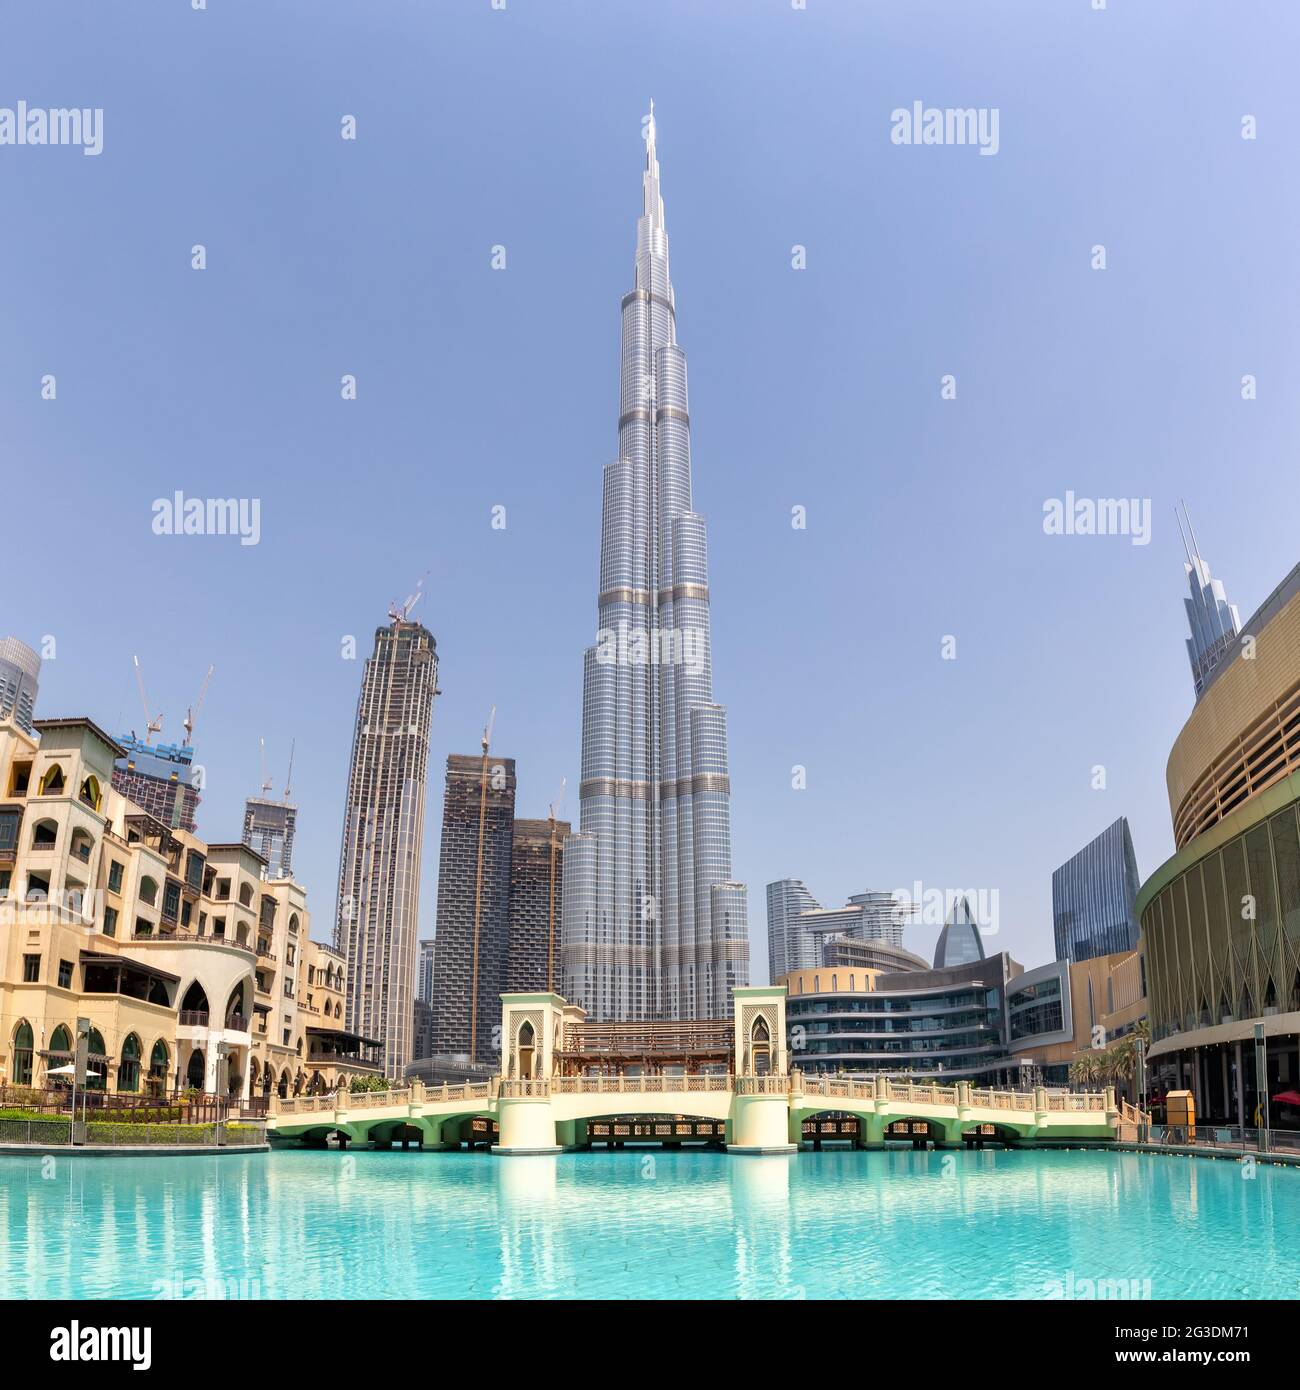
565	1083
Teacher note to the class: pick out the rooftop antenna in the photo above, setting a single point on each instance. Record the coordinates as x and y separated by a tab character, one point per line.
1181	533
1191	530
192	714
288	781
401	613
152	723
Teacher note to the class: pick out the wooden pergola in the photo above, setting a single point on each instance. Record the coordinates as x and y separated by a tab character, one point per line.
610	1048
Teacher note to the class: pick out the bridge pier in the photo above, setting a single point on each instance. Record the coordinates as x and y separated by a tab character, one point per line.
526	1126
760	1124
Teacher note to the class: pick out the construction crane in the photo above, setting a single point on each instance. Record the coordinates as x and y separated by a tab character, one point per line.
152	722
555	809
288	781
401	613
266	776
478	889
192	714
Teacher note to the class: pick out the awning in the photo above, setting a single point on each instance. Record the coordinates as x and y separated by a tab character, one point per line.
101	958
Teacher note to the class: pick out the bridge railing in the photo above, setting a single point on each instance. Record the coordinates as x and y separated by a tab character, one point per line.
638	1085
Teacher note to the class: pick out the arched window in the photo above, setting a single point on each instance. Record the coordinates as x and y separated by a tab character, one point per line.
44	834
235	1016
283	1087
128	1069
159	1066
97	1066
527	1047
760	1047
23	1048
51	783
246	895
835	984
90	792
149	891
60	1041
293	923
195	1003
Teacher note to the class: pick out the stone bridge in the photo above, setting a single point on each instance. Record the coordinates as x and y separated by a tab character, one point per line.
542	1104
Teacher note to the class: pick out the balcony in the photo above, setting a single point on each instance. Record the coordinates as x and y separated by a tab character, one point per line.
194	1018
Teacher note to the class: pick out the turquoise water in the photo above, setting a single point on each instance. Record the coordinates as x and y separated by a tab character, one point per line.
647	1224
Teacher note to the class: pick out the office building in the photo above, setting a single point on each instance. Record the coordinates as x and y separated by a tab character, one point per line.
960	941
1093	896
473	919
20	673
269	829
424	970
536	906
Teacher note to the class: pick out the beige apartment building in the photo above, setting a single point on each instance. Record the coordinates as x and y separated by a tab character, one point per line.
193	971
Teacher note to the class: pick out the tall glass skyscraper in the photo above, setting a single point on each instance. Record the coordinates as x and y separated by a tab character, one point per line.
653	926
20	671
383	837
1094	896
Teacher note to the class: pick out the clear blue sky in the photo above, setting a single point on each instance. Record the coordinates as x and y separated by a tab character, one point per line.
521	127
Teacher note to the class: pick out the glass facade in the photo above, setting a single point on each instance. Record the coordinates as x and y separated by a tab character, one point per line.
20	670
959	942
951	1023
653	926
1093	898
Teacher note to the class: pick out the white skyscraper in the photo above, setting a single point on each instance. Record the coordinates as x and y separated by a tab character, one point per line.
653	926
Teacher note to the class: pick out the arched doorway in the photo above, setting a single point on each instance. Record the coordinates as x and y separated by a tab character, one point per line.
128	1068
60	1055
97	1066
196	1071
159	1066
24	1048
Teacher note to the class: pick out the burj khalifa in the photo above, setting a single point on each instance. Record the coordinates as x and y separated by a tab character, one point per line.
653	926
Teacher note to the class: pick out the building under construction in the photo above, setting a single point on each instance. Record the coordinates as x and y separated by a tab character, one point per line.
159	778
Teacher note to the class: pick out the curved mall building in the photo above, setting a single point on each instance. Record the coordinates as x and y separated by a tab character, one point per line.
1221	918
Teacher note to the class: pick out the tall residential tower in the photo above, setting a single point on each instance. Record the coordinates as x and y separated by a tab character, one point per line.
383	836
653	926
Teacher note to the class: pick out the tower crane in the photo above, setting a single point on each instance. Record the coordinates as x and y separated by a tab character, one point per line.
192	714
152	722
401	612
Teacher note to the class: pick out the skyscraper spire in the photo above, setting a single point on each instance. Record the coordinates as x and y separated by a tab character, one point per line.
653	927
1214	622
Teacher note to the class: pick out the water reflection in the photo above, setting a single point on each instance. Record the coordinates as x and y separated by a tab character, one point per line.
643	1224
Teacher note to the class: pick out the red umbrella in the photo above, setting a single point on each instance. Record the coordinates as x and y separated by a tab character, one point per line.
1287	1098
